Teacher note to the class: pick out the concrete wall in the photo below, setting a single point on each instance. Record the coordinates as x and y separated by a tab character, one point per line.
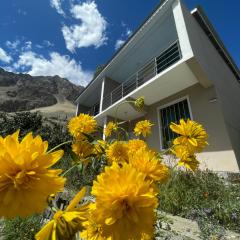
109	85
81	109
219	155
226	85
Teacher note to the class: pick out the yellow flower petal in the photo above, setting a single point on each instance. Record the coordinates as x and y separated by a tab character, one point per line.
76	199
25	180
143	128
46	232
125	203
82	124
192	135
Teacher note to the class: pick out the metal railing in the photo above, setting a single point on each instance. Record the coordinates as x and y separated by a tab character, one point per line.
156	65
94	110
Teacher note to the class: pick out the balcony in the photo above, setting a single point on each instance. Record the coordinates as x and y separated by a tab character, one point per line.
95	109
152	68
155	66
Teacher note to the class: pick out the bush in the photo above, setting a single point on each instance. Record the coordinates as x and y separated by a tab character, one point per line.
52	131
204	197
81	175
21	228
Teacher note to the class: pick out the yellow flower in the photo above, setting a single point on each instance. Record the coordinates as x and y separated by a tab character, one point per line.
25	178
143	127
146	162
139	103
125	203
65	224
193	135
187	159
111	127
83	150
82	124
93	230
117	152
135	144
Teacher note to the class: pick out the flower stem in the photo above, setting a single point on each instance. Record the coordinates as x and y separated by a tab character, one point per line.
67	171
58	146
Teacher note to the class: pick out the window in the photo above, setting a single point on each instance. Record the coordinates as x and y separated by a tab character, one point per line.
172	113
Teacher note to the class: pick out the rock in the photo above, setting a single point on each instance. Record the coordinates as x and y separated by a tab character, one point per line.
170	227
165	226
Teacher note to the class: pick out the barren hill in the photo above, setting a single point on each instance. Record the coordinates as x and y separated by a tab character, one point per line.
22	92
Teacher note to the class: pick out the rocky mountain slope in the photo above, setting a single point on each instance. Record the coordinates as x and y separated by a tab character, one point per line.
22	92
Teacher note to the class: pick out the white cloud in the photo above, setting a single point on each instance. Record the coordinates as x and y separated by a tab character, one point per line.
128	32
57	5
27	46
58	64
48	43
39	46
8	68
124	36
18	46
4	57
44	44
90	32
13	45
119	43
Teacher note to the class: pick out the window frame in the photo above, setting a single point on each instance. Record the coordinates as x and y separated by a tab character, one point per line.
167	105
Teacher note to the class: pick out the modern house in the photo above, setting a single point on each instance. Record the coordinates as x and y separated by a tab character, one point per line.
178	63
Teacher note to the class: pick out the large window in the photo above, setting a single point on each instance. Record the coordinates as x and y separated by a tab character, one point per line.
172	113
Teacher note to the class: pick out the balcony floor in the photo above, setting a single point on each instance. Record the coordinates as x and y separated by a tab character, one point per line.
170	81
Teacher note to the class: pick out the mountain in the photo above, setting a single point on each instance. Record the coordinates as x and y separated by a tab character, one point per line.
23	92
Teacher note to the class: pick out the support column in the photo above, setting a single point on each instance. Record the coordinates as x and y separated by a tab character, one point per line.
77	110
102	95
183	38
104	126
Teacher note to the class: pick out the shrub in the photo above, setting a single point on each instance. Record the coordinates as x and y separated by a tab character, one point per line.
52	131
21	228
202	196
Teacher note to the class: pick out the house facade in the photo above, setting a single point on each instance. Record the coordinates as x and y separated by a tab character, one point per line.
178	63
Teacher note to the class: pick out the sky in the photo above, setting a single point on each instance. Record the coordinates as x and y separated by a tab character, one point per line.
70	38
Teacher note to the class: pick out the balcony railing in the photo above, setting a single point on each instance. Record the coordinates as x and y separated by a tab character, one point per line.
156	65
94	110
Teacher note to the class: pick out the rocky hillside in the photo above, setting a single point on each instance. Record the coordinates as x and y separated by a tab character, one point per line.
22	92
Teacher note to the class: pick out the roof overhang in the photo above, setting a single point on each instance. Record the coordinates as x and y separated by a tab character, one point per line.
146	24
210	32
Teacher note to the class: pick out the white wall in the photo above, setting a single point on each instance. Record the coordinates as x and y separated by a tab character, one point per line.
219	155
226	84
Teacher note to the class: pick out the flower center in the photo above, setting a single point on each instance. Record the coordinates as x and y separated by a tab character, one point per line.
58	215
125	207
22	179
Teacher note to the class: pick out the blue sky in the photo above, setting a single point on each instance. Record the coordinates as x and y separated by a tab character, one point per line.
71	37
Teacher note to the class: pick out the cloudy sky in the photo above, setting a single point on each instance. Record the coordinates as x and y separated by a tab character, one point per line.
70	38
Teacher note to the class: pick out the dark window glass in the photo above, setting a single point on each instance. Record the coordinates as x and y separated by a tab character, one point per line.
172	113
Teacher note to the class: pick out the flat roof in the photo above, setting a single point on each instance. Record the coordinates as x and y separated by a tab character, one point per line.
209	30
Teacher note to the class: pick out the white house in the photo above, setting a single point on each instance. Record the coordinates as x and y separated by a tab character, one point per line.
176	61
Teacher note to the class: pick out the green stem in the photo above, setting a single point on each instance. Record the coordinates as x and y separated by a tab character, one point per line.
126	133
58	146
71	168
